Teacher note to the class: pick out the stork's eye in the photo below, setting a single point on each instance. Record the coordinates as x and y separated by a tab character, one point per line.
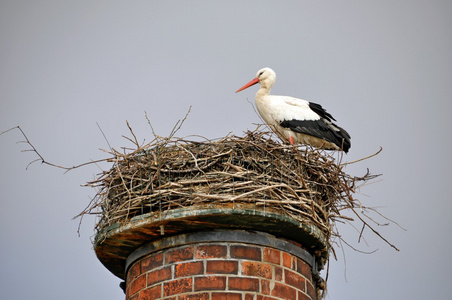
260	74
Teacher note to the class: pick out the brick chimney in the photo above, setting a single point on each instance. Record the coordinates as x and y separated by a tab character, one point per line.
215	252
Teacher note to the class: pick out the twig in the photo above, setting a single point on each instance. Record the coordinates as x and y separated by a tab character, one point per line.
41	158
105	137
357	250
370	227
150	124
180	123
134	137
364	158
15	127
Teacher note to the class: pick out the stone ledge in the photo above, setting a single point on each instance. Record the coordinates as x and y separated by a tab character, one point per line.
116	243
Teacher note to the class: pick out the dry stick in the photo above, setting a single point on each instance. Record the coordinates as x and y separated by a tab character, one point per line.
105	137
43	161
149	122
320	224
256	191
364	158
173	132
122	180
350	198
82	214
364	252
390	220
135	138
361	233
363	211
15	127
356	229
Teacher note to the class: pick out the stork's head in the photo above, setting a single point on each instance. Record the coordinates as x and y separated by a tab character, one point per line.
266	77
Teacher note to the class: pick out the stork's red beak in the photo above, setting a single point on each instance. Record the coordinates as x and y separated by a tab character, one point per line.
252	82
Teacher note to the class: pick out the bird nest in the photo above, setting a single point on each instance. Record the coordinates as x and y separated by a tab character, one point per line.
305	184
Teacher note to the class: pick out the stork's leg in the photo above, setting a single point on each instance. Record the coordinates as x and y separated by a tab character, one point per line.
291	140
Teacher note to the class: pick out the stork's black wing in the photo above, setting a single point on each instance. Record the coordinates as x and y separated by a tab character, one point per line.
322	128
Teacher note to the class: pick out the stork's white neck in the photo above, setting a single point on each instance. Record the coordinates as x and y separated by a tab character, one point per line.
262	92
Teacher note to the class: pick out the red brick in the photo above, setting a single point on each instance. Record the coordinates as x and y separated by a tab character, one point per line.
177	286
180	254
260	297
246	252
251	268
284	292
138	284
295	280
222	267
310	290
133	272
159	275
226	296
303	268
302	296
207	283
287	260
249	297
151	262
272	255
134	297
151	293
197	296
211	251
278	273
243	284
265	287
188	269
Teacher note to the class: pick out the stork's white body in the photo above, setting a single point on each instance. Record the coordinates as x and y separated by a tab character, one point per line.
275	109
295	120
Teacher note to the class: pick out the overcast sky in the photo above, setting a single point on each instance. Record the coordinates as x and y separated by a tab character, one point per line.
382	68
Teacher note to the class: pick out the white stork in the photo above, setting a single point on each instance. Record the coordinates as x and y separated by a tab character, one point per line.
295	120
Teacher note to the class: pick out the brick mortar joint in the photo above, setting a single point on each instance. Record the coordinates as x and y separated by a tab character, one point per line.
167	261
204	261
231	238
272	282
210	292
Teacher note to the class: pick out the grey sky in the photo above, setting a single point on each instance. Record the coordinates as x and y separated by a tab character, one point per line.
382	68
